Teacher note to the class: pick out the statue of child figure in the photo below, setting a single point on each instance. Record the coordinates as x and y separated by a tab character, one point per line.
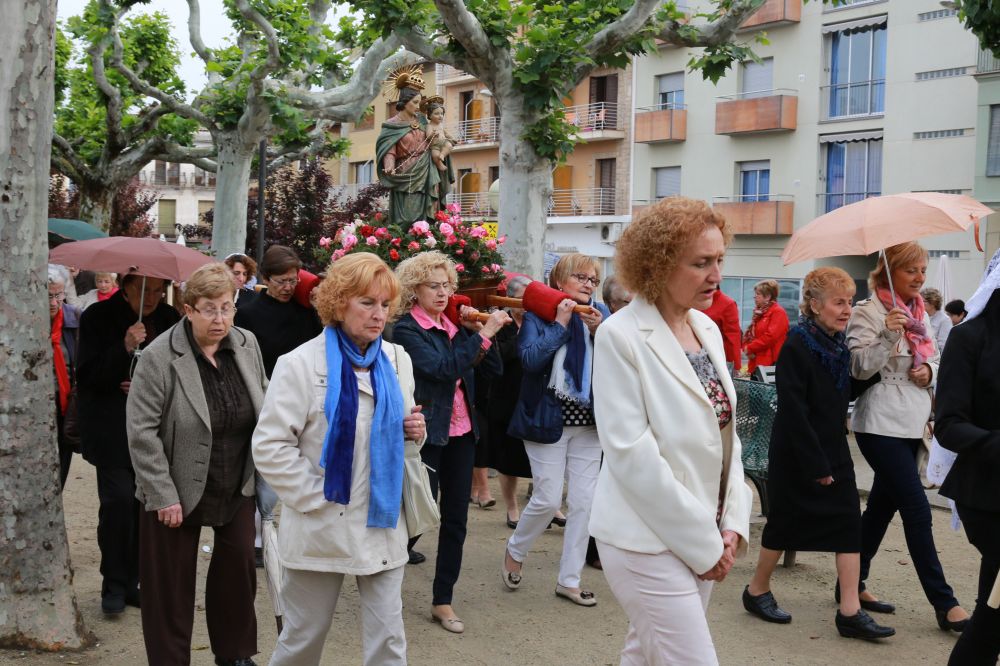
441	141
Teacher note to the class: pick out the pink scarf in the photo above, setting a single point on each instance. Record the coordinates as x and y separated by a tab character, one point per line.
920	343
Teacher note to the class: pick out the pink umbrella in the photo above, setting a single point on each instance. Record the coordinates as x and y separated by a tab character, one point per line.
123	255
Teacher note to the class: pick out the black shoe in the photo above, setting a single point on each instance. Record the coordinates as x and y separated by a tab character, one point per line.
113	603
765	607
873	605
417	558
239	661
512	524
561	522
258	556
132	598
861	625
948	625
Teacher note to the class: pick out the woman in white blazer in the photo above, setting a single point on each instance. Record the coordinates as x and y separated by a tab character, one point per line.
329	441
671	512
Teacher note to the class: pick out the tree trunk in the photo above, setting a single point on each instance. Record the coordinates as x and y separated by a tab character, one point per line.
526	185
229	225
37	605
96	206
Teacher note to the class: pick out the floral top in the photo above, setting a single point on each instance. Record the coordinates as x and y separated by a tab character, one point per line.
703	367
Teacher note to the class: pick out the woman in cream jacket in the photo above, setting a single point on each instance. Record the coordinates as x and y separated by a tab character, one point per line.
341	490
671	511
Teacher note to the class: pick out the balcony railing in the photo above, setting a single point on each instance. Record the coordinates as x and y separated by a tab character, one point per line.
480	130
853	100
829	201
987	62
575	203
757	111
758	214
596	117
169	180
473	204
661	123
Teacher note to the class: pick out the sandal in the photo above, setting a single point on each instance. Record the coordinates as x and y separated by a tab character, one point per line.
580	598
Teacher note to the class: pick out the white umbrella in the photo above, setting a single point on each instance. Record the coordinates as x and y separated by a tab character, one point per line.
942	280
272	567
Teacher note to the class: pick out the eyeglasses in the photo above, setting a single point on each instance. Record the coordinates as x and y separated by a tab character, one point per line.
440	286
58	298
211	313
584	279
288	282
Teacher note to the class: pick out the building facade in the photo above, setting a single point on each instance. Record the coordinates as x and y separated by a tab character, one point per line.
869	97
185	191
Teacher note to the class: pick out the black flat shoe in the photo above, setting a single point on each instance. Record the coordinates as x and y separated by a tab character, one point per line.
861	625
561	522
948	625
239	661
416	558
873	605
764	606
113	603
512	524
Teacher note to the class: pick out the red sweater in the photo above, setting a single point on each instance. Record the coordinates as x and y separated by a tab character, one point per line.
766	337
726	315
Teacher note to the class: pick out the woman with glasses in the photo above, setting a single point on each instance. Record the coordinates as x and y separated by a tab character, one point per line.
64	323
554	415
444	360
191	413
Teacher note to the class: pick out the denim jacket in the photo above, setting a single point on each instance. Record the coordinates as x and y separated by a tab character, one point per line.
437	363
538	413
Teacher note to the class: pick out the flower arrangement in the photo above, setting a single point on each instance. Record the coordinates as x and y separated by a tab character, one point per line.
475	253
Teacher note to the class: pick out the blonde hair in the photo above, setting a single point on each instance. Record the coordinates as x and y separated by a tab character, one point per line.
210	281
932	297
898	256
355	275
822	283
416	270
767	288
652	245
569	264
110	276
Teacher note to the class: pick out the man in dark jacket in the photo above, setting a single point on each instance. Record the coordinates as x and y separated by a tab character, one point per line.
110	337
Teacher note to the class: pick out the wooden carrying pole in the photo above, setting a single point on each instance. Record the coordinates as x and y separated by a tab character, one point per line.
504	302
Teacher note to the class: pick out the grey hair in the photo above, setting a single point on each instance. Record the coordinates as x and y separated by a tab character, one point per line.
58	273
610	285
518	282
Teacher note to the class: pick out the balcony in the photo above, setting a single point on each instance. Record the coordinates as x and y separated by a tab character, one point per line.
476	134
661	124
447	75
850	101
774	13
579	203
748	216
987	63
473	205
168	180
757	112
597	121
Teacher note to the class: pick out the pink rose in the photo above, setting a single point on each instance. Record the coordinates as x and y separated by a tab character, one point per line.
491	244
459	268
451	240
420	228
486	269
324	241
496	268
478	232
460	253
502	239
382	232
338	254
413	246
371	240
446	229
349	241
453	208
430	241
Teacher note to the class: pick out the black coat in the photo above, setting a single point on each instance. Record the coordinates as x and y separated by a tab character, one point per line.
102	365
809	442
968	409
279	327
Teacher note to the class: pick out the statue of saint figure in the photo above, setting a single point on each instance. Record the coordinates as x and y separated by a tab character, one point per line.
403	154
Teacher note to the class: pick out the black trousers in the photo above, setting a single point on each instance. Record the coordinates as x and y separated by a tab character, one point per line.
979	644
169	567
118	529
450	473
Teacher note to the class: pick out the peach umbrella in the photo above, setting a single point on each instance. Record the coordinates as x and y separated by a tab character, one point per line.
876	223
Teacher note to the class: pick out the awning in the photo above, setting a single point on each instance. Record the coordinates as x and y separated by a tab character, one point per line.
850	136
859	24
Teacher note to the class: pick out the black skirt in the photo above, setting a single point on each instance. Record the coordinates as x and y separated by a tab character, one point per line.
807	516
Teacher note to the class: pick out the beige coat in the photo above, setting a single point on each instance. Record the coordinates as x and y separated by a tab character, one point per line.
894	407
168	424
664	455
317	535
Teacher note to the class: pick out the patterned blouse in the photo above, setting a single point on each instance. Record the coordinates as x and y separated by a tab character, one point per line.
703	367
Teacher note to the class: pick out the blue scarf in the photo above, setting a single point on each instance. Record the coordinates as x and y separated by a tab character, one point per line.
385	479
572	365
831	350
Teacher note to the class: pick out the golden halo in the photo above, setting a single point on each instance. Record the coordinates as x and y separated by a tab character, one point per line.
427	101
404	77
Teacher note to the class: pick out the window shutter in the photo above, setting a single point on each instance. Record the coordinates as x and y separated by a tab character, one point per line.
758	77
166	216
670	82
611	90
668	181
595	82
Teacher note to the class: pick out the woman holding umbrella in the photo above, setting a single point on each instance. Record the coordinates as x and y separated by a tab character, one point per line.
889	335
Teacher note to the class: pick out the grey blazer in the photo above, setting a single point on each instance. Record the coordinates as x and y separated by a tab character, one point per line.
169	431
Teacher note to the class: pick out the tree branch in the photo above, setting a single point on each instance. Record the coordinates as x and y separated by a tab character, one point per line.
273	60
464	27
194	35
718	32
609	39
70	164
172	152
148	118
113	115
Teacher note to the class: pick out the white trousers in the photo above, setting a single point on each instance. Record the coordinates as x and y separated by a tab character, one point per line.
576	457
310	599
665	603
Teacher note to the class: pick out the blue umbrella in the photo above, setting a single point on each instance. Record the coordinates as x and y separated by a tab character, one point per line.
77	230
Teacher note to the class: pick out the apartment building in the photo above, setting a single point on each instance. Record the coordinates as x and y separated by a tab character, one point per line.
869	97
987	179
185	191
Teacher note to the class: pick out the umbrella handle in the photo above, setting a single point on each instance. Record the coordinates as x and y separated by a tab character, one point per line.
142	299
888	276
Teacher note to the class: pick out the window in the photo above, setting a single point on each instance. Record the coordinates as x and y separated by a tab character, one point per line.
670	91
857	71
740	289
204	205
942	134
757	78
204	178
174	173
666	182
166	216
363	172
937	14
942	73
755	180
605	204
160	173
494	174
993	145
853	172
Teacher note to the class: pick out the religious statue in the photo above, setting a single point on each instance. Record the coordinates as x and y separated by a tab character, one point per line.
403	154
441	141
